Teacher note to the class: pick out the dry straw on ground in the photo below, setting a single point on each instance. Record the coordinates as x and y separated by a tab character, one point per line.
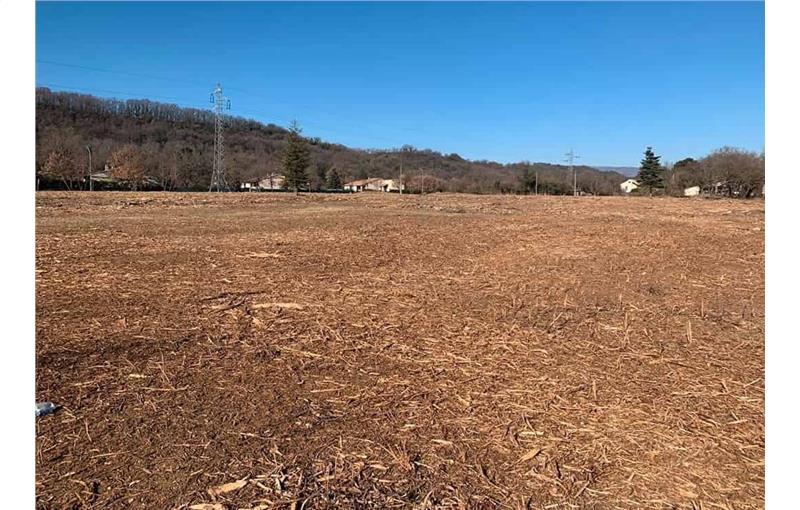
276	351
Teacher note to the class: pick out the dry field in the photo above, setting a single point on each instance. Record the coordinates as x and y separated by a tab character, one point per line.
245	351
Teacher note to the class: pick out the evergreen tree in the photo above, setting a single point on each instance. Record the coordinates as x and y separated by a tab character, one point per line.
320	176
361	172
651	172
525	180
334	181
296	159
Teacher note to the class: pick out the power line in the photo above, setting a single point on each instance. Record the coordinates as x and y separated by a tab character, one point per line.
178	102
249	93
71	88
112	71
365	128
163	78
174	100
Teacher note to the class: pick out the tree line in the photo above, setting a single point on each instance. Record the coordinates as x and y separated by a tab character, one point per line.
152	145
728	171
174	147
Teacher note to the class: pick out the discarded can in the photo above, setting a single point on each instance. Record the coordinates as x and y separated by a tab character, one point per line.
45	408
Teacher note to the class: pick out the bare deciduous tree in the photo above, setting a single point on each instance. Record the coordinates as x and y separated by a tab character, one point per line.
128	165
740	172
64	164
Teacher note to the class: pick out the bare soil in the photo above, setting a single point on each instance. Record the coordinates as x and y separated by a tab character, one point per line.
385	351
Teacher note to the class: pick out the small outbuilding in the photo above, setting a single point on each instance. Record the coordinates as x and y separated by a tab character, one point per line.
629	185
693	191
251	185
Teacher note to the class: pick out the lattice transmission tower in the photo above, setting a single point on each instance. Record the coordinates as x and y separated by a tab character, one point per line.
221	103
571	157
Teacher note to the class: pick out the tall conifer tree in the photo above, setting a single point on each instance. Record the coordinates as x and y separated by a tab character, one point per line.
651	172
334	181
296	158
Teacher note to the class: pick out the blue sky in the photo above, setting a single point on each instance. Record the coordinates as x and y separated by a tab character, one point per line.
504	81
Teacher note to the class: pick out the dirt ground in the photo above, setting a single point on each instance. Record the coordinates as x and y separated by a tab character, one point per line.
255	351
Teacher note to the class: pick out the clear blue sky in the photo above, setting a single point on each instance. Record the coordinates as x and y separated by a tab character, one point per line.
505	82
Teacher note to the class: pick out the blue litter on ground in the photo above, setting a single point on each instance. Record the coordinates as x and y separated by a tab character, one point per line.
45	408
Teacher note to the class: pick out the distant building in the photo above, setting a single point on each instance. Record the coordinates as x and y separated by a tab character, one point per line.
251	185
374	184
357	185
393	185
270	182
107	180
364	185
692	191
629	185
104	176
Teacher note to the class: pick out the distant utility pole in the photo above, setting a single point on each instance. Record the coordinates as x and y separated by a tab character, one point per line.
571	157
220	103
91	183
401	175
536	183
401	170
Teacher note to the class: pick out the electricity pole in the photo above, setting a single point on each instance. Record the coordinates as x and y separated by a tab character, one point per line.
220	103
91	187
536	183
401	170
571	157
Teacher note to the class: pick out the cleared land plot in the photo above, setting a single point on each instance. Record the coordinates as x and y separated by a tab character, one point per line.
396	352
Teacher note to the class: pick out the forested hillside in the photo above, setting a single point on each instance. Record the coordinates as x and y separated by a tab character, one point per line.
176	146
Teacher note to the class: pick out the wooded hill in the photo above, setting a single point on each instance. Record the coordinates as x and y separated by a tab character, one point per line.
177	147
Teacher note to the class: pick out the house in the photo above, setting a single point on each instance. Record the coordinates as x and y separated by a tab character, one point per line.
720	188
357	185
393	185
104	176
629	185
374	184
692	191
272	181
106	180
251	185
